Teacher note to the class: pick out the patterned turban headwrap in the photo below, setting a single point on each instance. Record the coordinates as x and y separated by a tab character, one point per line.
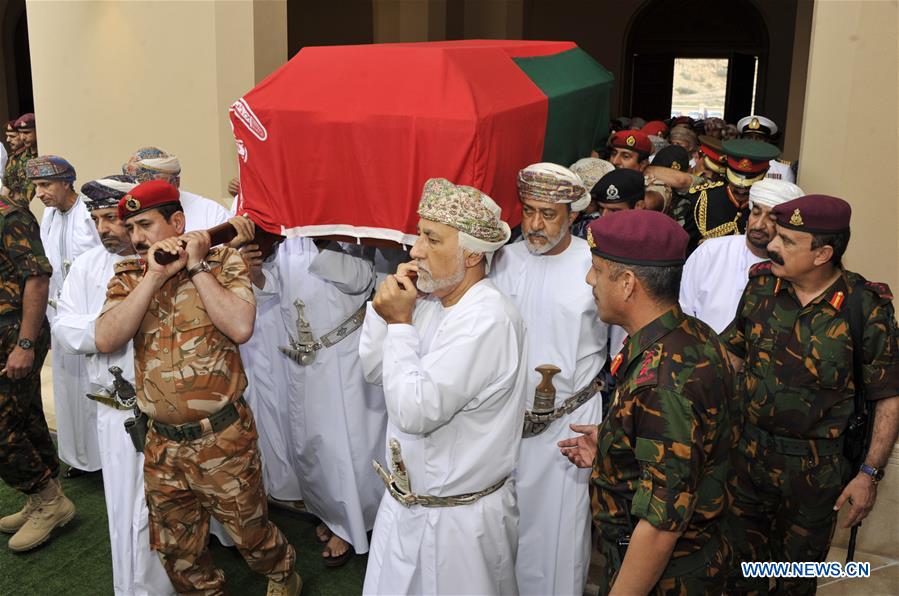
591	169
147	163
769	192
474	214
658	143
49	167
553	183
106	193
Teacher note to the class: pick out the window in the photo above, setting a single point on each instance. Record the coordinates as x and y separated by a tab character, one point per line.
700	86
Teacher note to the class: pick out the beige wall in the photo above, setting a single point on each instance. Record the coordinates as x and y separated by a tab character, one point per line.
849	133
849	149
110	77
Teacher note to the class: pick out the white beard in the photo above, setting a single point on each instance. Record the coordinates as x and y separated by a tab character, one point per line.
540	249
428	285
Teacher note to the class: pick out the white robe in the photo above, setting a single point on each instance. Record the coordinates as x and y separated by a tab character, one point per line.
201	213
266	392
714	278
65	236
563	329
454	383
336	420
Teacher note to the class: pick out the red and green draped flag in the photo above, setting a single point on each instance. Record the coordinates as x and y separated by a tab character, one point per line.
341	139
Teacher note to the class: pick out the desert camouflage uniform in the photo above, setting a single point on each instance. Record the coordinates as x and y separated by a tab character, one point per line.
797	394
663	451
27	454
21	189
185	370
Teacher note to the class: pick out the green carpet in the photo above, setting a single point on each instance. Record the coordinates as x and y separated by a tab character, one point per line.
77	559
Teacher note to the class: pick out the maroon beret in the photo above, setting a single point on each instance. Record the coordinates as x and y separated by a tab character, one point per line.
632	140
638	237
816	214
148	195
25	122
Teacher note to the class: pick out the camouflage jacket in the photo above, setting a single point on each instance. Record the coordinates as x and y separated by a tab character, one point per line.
663	448
798	360
21	254
185	368
713	213
21	189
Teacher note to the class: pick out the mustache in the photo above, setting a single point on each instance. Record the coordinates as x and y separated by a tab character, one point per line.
537	235
776	258
141	246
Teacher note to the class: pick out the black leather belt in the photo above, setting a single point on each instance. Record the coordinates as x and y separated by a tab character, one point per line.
194	430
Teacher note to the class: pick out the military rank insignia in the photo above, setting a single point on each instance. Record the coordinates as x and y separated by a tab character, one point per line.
132	204
796	218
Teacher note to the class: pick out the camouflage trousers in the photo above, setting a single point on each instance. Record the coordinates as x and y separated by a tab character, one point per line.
219	474
28	457
707	579
783	512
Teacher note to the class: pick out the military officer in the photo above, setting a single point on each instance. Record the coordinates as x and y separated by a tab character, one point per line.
630	150
661	457
201	458
759	128
28	461
21	189
719	208
619	190
792	336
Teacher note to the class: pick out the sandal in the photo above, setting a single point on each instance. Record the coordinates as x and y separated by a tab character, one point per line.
340	559
323	536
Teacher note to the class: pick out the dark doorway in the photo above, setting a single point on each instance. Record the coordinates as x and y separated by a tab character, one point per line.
15	59
662	31
315	23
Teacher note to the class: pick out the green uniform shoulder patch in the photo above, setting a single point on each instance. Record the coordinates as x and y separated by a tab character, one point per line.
881	289
759	269
648	375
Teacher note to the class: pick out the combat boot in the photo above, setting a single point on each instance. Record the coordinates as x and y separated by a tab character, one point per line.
292	586
11	523
53	510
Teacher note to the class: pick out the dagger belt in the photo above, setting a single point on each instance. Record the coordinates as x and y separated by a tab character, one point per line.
534	424
303	350
397	483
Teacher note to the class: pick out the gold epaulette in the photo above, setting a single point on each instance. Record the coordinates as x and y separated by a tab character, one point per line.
705	186
785	162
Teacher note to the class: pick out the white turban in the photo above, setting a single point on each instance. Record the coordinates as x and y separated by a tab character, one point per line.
769	192
553	183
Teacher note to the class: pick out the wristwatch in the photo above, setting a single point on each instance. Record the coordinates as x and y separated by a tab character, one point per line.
25	344
201	267
876	474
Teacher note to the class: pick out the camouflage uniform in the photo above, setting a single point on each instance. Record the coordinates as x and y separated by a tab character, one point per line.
186	370
21	189
711	213
27	454
797	393
663	451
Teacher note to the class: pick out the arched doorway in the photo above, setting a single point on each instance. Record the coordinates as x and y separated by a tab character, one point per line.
661	31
